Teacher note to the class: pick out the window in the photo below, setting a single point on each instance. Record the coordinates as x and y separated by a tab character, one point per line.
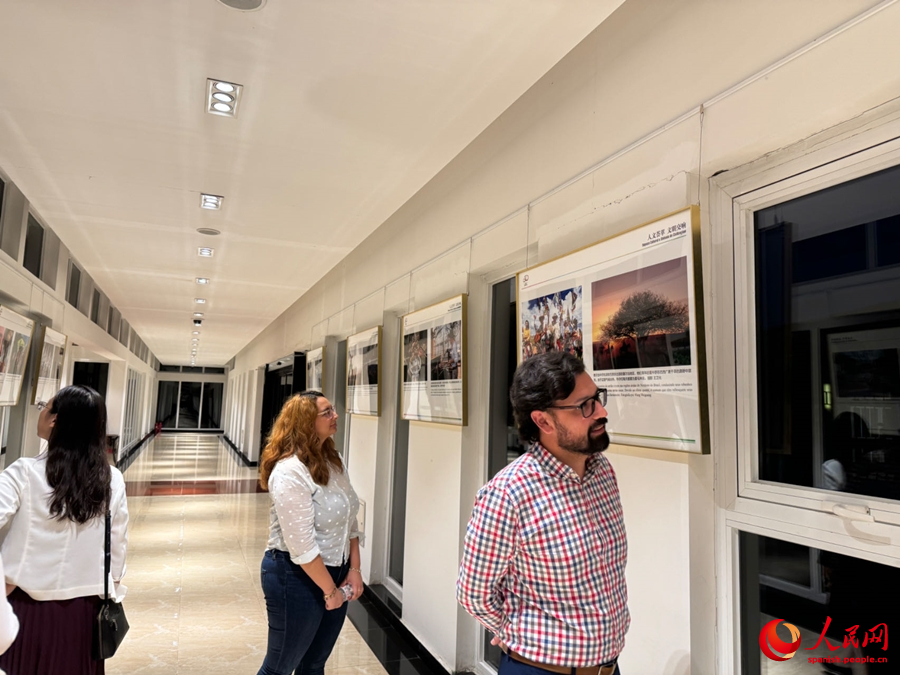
2	192
214	371
74	284
828	338
134	405
170	369
808	348
211	412
95	307
34	246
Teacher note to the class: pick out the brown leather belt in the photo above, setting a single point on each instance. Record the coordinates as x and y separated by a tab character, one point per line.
604	669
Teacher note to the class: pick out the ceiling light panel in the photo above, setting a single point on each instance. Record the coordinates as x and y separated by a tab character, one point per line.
205	252
223	98
211	202
200	301
202	280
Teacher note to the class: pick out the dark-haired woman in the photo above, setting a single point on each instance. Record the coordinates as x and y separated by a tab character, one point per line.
313	546
55	505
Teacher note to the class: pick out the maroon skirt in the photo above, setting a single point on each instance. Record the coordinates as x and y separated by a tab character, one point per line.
55	636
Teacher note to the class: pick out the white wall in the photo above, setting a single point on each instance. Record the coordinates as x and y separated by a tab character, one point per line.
363	444
431	558
628	127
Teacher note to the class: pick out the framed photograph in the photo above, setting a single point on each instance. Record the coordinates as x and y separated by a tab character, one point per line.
16	332
433	374
631	308
48	373
315	369
364	373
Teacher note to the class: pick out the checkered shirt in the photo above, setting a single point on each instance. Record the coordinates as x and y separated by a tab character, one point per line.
544	561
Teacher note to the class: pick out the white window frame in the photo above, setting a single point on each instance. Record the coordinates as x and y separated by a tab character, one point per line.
799	515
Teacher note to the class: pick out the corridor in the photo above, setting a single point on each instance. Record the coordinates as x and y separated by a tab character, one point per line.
197	532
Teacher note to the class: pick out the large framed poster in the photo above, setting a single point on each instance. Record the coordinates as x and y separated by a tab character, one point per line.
364	373
48	374
433	360
315	369
631	308
16	332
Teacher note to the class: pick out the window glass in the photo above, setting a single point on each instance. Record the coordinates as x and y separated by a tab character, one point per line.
74	285
211	414
189	405
842	610
34	246
95	307
167	404
828	338
170	369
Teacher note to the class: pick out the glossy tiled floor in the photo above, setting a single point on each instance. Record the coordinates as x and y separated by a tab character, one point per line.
197	533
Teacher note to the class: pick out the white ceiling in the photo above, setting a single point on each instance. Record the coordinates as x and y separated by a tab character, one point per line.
349	108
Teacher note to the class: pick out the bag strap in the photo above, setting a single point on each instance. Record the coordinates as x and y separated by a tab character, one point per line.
107	558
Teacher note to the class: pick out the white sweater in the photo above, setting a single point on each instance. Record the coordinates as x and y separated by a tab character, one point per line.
51	558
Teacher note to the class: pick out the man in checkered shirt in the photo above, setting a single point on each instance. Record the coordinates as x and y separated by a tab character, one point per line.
544	561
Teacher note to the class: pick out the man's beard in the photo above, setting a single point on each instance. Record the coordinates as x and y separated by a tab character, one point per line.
590	445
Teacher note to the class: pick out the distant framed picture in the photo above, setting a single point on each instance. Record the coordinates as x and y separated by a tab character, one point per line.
16	332
364	372
631	308
315	369
433	363
48	373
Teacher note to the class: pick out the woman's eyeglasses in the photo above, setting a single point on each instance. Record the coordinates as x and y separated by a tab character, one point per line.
41	405
329	412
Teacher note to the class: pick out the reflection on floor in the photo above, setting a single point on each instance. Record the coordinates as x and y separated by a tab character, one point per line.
198	530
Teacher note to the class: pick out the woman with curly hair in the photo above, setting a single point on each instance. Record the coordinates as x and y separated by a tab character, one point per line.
55	505
313	547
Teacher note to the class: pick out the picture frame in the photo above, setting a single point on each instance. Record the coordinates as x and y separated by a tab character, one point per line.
364	372
16	332
433	382
631	308
315	369
48	369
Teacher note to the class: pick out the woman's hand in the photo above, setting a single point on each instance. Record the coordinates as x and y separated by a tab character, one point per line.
354	578
335	600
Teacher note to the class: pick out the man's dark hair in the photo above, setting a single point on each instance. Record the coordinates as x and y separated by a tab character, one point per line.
538	383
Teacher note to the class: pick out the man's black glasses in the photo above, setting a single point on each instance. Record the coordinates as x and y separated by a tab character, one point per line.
587	408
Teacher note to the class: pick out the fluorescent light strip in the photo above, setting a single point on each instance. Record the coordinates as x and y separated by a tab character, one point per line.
205	252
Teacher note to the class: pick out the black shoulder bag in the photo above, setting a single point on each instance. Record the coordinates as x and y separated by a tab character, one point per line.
111	625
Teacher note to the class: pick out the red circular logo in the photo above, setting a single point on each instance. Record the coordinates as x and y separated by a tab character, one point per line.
768	639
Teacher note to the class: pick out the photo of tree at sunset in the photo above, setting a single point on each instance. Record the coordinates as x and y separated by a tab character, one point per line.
641	318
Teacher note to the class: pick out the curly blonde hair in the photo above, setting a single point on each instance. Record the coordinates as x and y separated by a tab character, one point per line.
294	433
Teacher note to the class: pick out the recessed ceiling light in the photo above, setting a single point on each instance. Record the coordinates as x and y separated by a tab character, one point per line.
208	230
205	252
200	301
198	314
196	332
223	98
202	280
212	202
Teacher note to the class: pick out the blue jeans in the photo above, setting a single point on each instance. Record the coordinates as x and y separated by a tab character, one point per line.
302	632
510	666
